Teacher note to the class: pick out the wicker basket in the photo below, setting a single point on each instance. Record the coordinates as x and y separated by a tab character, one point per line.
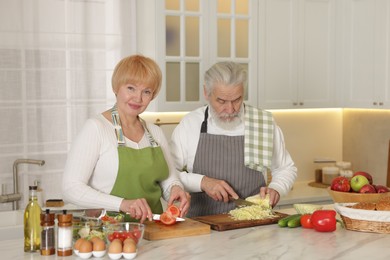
366	226
364	220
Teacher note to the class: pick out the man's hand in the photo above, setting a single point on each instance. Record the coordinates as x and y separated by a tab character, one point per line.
273	195
218	190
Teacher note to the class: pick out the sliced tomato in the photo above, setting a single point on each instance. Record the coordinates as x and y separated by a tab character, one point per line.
167	219
174	210
306	221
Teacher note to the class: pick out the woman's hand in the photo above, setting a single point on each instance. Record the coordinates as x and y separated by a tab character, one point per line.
178	194
138	209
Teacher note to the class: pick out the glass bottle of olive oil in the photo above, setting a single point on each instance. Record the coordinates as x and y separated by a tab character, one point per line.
32	227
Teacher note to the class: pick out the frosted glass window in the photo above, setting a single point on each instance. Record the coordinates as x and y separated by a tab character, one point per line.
173	81
192	36
192	81
242	38
223	6
173	35
224	38
242	7
192	5
172	4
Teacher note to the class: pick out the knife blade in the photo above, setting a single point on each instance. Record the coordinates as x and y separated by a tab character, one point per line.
157	217
241	202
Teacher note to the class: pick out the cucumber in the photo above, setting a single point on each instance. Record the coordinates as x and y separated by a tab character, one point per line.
294	222
284	221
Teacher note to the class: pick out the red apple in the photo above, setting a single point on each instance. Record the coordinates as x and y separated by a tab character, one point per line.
381	189
340	183
365	174
368	188
357	182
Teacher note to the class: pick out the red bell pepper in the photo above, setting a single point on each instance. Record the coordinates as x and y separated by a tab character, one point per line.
324	220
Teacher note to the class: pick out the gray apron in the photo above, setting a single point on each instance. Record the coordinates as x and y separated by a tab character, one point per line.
222	157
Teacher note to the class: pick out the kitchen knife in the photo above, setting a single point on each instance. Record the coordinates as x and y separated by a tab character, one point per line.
241	202
157	217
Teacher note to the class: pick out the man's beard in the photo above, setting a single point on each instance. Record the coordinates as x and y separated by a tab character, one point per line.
227	121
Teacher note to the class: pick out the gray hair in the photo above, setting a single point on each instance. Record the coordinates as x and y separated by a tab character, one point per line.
227	73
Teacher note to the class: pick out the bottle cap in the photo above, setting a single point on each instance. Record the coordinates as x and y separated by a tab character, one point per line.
47	218
65	219
32	187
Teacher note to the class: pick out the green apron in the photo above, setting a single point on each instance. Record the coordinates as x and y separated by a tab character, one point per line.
140	171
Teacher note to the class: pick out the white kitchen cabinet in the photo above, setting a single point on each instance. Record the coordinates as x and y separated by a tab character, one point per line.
298	52
366	50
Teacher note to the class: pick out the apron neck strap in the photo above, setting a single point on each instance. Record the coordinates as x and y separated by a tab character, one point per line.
119	132
203	129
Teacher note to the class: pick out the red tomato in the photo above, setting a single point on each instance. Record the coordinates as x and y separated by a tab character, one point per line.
167	219
111	237
306	221
128	234
174	210
137	233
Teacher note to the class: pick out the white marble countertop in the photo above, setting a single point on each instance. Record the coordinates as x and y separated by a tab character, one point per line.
263	242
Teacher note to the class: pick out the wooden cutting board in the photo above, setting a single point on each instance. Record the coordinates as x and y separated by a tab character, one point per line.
157	230
222	222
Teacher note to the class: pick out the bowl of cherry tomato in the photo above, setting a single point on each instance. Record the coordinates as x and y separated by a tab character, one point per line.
124	230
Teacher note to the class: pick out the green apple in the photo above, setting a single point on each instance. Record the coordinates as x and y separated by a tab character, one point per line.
358	181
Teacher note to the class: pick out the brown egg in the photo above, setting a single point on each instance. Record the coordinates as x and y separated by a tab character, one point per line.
129	248
85	247
98	244
115	247
93	239
78	243
129	240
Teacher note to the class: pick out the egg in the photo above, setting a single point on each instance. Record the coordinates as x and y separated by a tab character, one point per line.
98	244
115	247
78	243
129	240
93	239
85	247
129	248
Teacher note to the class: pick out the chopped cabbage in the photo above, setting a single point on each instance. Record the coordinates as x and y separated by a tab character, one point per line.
261	210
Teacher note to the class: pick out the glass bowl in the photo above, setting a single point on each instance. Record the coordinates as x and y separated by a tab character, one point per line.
123	230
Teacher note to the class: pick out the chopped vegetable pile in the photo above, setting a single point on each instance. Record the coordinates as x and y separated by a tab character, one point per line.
261	210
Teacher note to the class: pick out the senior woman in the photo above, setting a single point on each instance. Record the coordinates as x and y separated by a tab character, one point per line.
118	161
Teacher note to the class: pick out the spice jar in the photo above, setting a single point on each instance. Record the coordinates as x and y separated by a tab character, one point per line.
329	173
64	236
47	233
345	169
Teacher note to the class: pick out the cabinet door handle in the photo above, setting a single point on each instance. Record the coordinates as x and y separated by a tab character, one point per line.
381	103
295	103
374	103
301	103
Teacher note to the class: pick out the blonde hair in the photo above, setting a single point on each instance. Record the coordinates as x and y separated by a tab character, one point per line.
137	69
